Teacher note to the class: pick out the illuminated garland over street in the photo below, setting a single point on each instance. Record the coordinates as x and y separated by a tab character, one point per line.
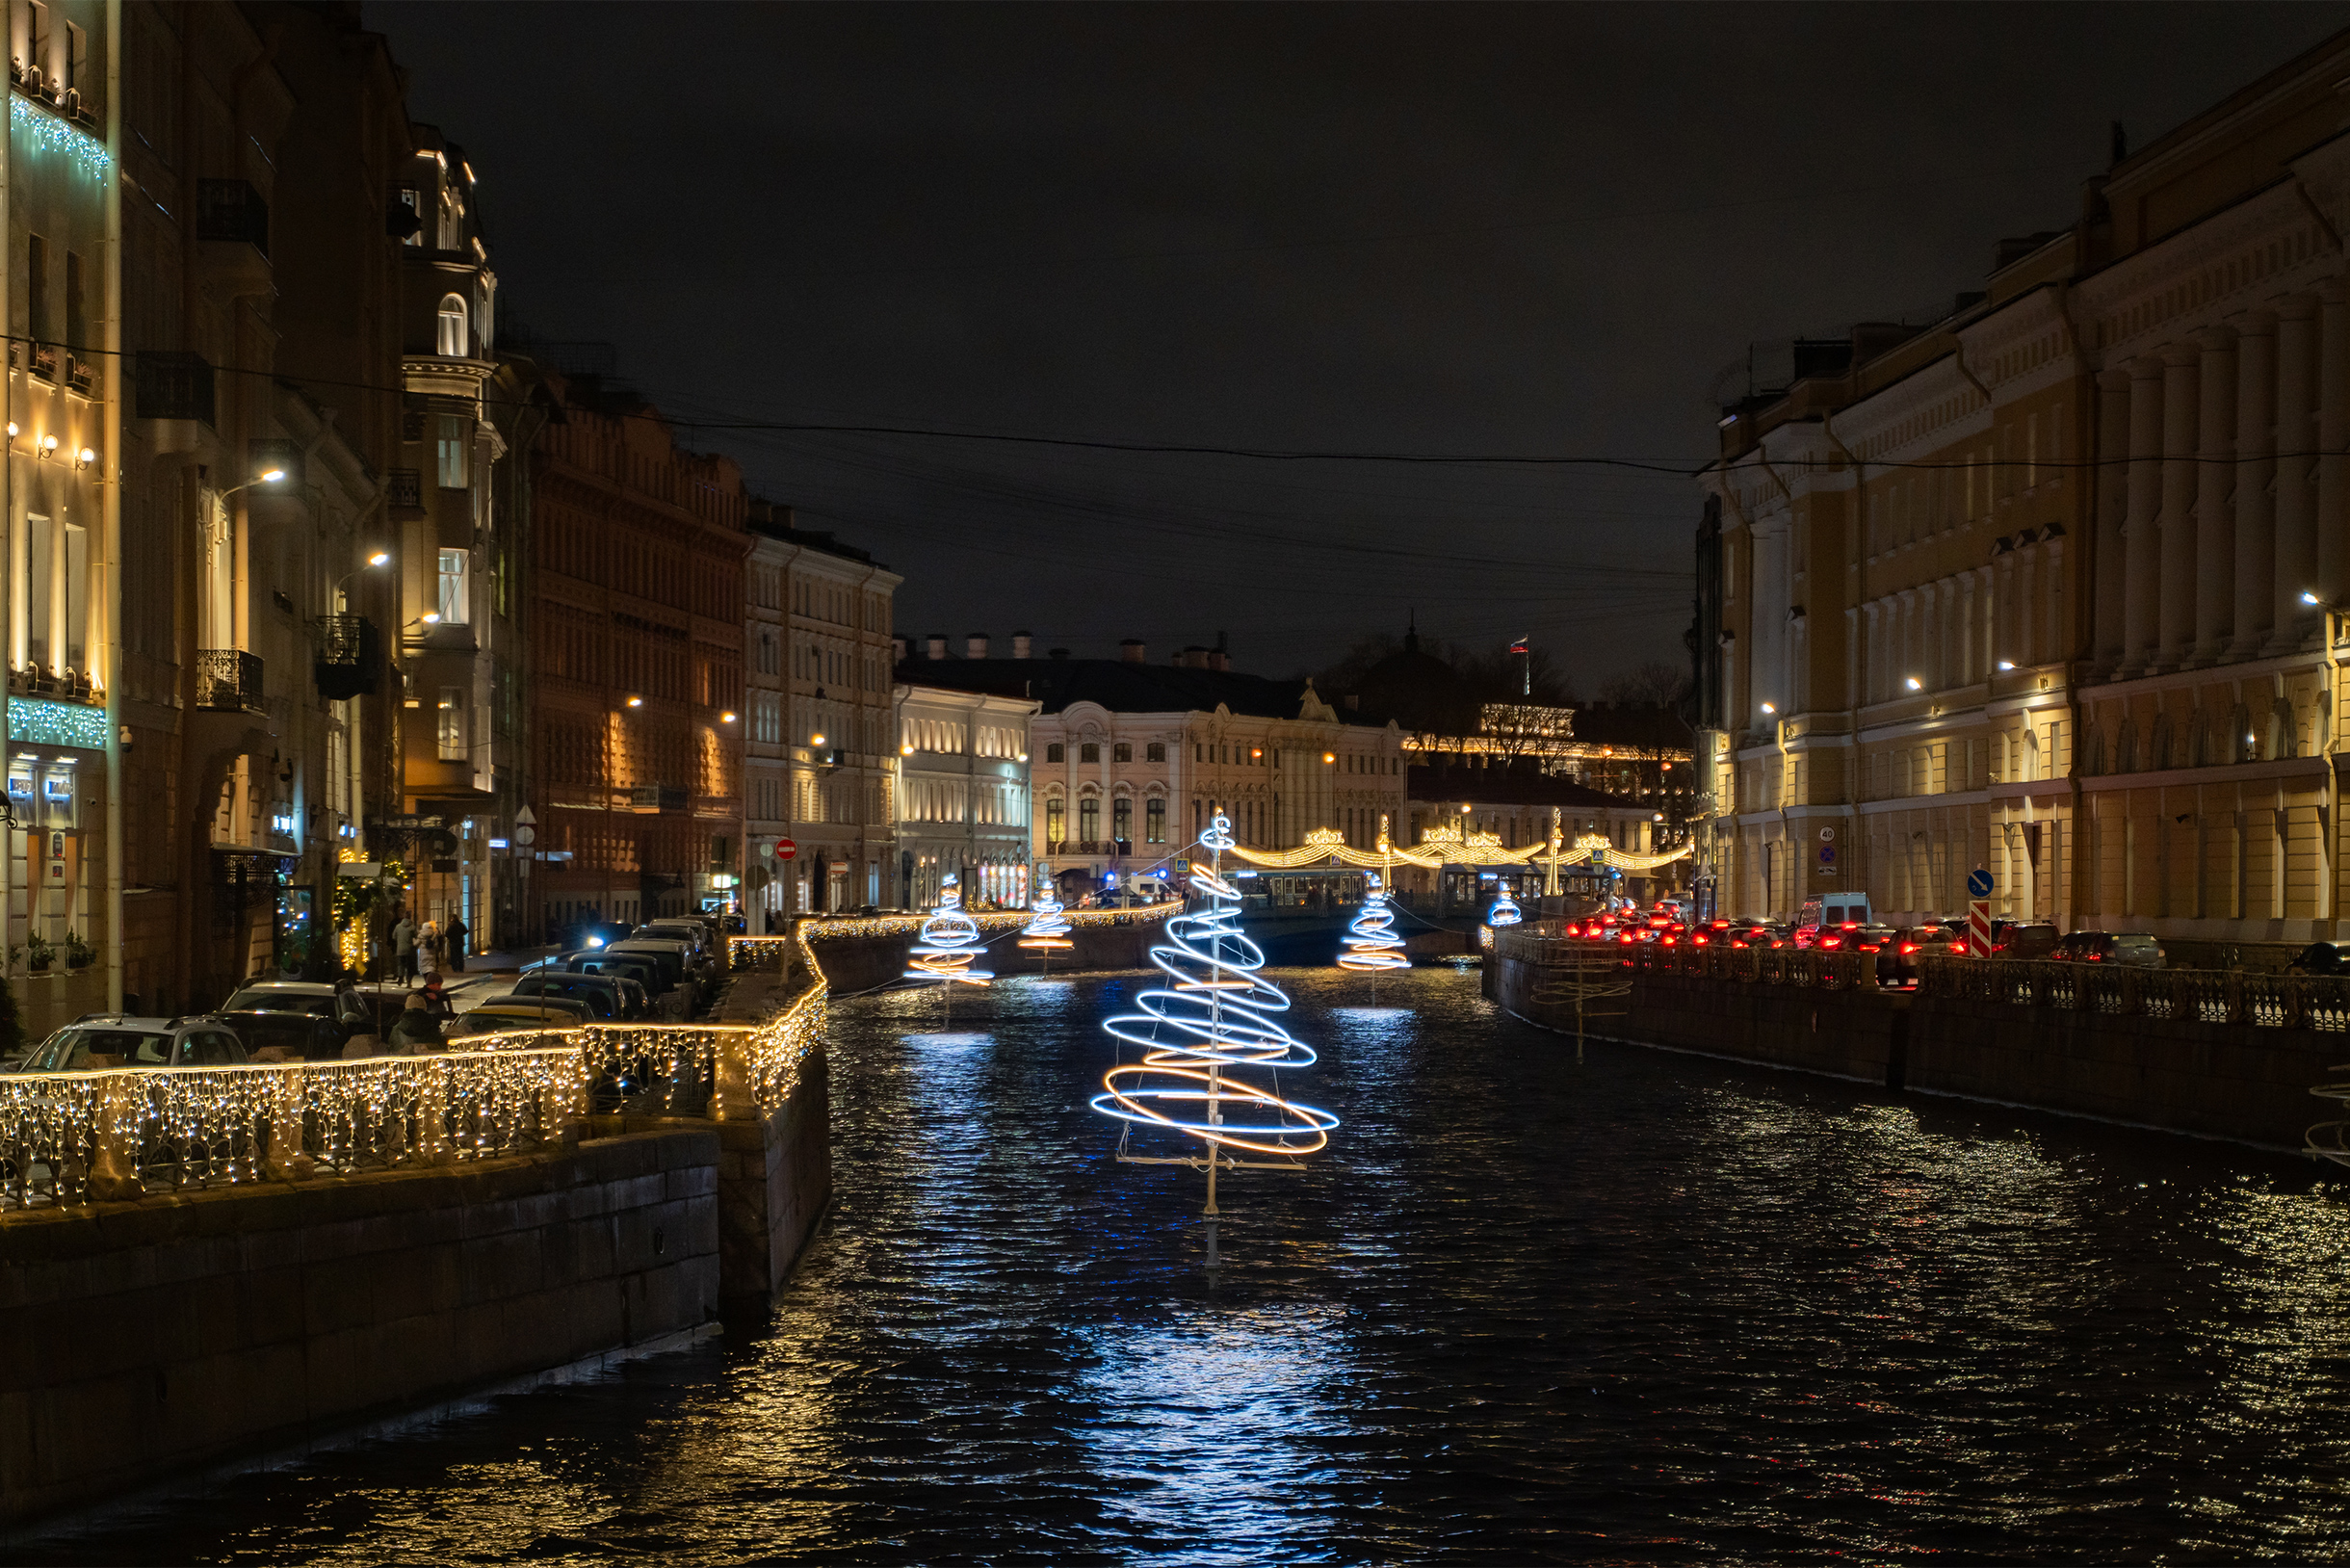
1444	845
1371	942
1217	1016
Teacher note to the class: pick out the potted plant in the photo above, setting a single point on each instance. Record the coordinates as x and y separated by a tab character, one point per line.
37	952
78	952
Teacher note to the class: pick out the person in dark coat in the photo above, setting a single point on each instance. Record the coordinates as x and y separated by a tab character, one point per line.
455	932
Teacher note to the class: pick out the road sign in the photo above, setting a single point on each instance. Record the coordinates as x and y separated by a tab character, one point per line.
785	848
1978	924
1827	835
526	835
1827	854
1978	883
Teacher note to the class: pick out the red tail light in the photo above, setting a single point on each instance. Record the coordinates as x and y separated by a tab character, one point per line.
1735	943
1909	946
1699	940
2093	956
1830	941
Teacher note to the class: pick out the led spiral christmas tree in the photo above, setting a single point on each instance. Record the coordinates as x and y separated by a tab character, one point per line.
1371	942
1047	933
1199	1034
1504	910
947	945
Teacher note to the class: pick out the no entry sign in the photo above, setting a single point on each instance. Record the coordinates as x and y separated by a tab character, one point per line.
785	848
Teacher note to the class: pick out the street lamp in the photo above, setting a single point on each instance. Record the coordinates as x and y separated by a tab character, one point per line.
268	476
382	558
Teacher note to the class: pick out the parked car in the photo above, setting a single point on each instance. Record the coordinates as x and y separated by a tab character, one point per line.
1925	942
498	1014
288	1036
2136	950
378	1007
2023	939
620	997
99	1040
2322	959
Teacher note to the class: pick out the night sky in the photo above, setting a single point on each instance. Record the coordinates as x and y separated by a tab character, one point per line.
1543	232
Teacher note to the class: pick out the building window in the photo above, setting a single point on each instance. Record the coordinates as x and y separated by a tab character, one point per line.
1123	751
453	326
1055	822
452	723
1089	821
454	452
1089	752
1156	752
1052	753
1122	819
455	604
1155	821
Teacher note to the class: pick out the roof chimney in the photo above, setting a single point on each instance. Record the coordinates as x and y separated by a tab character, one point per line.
1020	644
1131	650
938	646
1218	659
974	645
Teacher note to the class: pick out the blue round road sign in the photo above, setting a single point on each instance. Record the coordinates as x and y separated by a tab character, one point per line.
1978	883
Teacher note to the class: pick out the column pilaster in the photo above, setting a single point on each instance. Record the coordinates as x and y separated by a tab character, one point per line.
2214	522
2140	540
2252	508
2111	479
2296	513
2180	378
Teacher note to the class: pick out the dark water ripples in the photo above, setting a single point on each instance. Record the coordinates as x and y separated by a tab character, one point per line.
1653	1308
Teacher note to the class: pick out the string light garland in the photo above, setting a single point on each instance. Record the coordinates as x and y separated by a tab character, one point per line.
1047	932
1197	1034
1445	844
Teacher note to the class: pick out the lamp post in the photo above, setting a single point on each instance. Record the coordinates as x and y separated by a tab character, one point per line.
382	558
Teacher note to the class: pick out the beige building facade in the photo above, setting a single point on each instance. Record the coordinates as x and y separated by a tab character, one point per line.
2044	589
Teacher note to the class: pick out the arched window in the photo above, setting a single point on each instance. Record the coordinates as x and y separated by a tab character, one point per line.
453	326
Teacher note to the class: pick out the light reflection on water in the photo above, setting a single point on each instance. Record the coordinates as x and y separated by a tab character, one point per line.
1654	1308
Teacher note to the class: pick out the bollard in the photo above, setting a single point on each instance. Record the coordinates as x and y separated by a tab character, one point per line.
287	1162
115	1176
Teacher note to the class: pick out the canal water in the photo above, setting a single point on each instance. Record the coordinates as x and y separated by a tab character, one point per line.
1649	1308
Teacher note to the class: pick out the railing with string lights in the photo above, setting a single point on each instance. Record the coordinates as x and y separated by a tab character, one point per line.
1546	943
762	951
120	1133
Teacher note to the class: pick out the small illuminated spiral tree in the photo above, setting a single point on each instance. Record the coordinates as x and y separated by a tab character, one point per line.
1371	942
946	949
1198	1035
1046	932
1504	910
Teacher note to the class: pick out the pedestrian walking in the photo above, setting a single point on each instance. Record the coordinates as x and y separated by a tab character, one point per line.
428	941
404	948
453	936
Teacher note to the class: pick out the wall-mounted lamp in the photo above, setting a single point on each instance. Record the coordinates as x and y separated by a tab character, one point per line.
85	457
2007	664
48	445
1770	708
727	719
636	702
1914	684
816	740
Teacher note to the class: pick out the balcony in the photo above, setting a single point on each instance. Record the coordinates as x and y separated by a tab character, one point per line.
44	361
79	377
350	660
726	806
228	680
657	799
171	385
232	212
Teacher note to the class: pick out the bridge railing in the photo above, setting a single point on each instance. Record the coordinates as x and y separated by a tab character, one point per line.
756	952
120	1133
2210	996
1546	943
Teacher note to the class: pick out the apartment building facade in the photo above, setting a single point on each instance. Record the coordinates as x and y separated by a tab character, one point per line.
963	794
822	744
2046	589
639	553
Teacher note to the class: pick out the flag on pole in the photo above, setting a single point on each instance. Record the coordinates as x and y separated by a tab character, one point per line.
1520	647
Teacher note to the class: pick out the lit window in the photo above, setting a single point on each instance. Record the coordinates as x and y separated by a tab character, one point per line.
452	723
454	602
453	326
453	452
1155	815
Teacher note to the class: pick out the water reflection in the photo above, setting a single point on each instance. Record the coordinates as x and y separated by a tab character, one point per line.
1654	1308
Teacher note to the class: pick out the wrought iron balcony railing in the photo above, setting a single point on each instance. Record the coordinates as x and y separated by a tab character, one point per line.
350	657
232	210
228	680
174	385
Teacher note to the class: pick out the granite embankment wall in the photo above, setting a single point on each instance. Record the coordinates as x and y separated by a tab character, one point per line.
153	1336
2222	1080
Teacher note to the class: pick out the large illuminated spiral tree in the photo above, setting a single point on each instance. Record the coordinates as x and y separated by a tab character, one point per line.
1371	942
1504	910
1046	932
948	946
1201	1037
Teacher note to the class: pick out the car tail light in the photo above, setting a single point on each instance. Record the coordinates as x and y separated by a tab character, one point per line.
1909	946
2092	957
1670	939
1830	941
1735	943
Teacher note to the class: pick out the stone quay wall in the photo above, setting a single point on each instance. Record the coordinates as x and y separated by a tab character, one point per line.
2178	1052
163	1334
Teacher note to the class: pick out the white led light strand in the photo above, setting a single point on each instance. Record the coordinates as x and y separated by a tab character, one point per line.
1504	911
1047	932
1371	942
949	944
1215	1017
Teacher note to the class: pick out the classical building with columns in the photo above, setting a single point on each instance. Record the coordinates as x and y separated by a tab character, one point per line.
2045	587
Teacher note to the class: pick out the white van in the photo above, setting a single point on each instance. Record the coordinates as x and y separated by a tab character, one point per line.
1833	910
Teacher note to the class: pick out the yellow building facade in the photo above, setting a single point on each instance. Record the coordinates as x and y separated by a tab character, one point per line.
2045	588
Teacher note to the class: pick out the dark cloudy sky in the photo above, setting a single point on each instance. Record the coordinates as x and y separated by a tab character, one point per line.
1434	230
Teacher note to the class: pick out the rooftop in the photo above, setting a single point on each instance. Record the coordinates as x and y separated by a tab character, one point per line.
1123	686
